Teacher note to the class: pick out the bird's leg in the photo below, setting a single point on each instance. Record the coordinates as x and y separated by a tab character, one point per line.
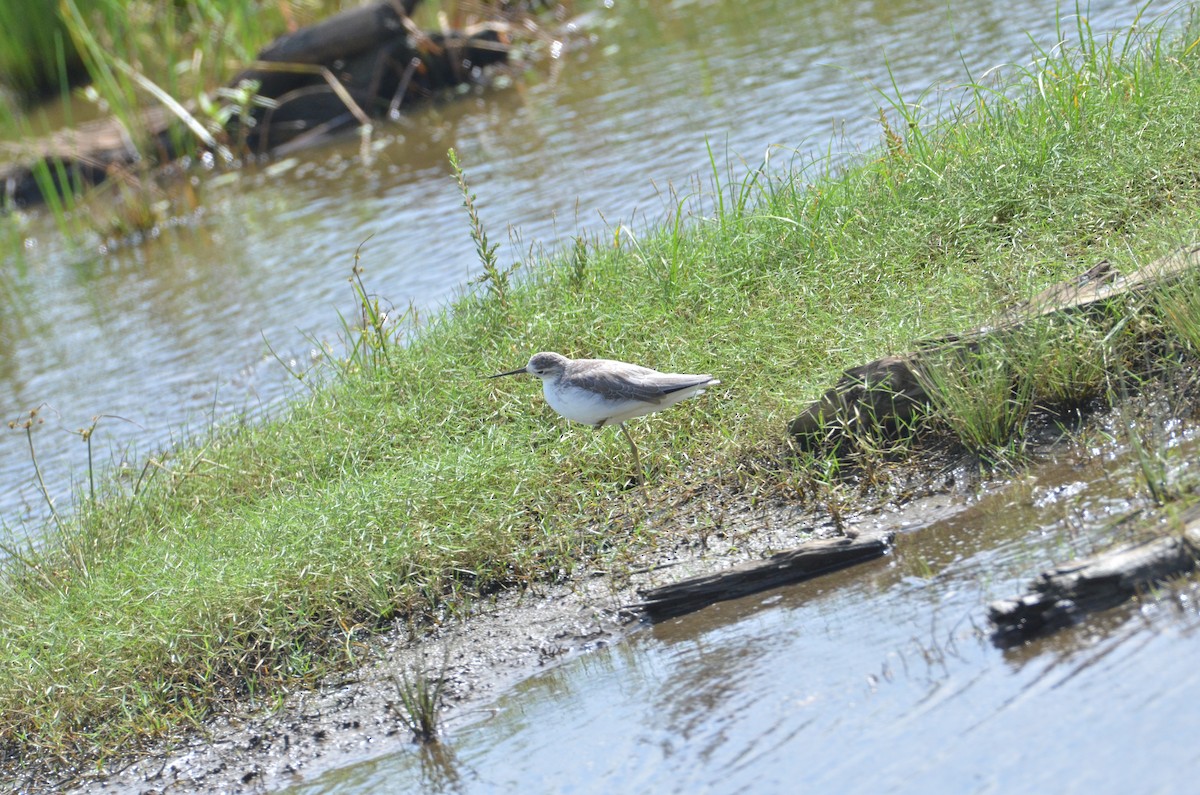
637	459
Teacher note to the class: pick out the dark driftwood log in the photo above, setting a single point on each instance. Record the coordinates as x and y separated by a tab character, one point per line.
1065	594
885	394
338	39
378	62
804	562
888	393
342	35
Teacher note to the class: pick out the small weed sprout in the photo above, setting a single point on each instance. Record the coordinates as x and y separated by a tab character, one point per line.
85	434
1149	440
496	280
234	102
27	424
420	697
371	346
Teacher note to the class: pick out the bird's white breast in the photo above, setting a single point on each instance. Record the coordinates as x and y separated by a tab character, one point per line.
582	405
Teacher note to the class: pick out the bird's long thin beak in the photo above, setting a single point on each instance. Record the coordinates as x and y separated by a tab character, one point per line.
510	372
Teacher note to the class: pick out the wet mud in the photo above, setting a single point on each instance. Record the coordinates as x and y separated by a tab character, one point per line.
353	717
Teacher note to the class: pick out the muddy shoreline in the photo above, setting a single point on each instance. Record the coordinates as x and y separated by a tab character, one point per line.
350	718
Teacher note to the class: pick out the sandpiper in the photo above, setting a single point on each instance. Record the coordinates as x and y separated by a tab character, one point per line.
603	392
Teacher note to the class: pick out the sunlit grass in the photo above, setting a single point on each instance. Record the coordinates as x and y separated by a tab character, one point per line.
409	485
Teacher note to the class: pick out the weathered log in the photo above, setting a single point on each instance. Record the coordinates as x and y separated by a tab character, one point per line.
359	64
883	395
888	393
315	100
1065	594
342	35
804	562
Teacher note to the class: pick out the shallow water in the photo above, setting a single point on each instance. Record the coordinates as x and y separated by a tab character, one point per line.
160	339
880	678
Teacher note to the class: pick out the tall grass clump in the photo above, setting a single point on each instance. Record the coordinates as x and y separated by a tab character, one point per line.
36	55
419	700
1177	305
1149	440
166	54
986	390
259	558
984	394
157	69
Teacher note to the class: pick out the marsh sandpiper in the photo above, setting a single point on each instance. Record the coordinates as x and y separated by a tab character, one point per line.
601	392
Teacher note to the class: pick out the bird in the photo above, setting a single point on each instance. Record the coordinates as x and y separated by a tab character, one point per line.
601	392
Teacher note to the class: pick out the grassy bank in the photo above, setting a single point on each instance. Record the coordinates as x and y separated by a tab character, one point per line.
409	486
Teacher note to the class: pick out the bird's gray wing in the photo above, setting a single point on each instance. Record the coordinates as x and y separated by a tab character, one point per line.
622	381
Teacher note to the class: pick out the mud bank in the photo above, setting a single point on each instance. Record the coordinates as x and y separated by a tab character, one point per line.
351	718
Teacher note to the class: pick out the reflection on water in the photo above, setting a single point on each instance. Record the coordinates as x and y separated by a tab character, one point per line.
174	332
878	678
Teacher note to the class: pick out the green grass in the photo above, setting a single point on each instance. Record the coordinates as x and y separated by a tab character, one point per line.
987	391
408	486
35	53
985	395
419	699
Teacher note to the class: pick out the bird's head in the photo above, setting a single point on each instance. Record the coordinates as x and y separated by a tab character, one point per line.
543	365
